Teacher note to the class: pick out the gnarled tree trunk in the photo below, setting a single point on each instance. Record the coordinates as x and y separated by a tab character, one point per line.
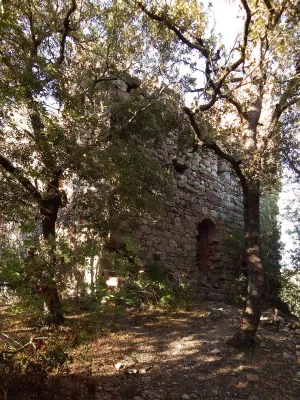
49	209
245	337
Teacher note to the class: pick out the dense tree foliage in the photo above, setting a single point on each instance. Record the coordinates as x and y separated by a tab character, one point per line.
73	122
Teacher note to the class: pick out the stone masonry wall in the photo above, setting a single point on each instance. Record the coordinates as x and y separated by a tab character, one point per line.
194	237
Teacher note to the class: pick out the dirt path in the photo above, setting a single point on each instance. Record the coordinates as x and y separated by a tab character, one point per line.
176	356
171	356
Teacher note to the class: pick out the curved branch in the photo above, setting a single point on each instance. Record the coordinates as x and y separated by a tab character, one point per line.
212	145
294	167
234	163
269	7
66	31
205	51
18	174
237	105
178	32
241	59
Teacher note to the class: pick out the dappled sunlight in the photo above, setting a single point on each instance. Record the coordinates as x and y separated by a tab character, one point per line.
164	355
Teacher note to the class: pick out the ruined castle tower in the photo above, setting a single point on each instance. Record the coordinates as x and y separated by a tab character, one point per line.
198	235
197	238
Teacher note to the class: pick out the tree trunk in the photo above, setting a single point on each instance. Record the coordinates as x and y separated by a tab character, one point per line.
245	337
49	209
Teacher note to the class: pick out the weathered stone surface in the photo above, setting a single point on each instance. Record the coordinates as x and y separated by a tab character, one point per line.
213	296
191	237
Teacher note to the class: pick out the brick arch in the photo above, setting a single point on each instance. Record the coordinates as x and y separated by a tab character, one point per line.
205	216
207	240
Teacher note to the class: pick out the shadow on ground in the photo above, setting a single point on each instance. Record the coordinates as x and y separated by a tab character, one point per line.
171	355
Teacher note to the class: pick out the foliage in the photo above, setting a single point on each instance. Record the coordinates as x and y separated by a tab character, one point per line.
59	98
138	285
26	267
29	365
150	288
239	289
74	128
270	242
290	141
290	290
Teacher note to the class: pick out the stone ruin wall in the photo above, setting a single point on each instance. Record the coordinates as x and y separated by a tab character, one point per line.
194	237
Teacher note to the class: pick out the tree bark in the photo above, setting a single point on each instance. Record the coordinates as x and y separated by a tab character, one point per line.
49	209
245	337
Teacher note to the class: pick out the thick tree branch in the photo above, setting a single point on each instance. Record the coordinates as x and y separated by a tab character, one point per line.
280	12
38	137
290	103
269	6
282	106
285	102
199	46
293	166
237	105
35	42
66	31
131	83
212	145
18	174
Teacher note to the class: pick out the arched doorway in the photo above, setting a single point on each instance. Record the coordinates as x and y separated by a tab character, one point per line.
207	241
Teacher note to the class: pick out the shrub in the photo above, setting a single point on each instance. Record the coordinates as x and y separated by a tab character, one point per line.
27	367
290	290
138	284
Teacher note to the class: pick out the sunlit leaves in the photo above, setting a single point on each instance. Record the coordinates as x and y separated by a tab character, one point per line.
66	106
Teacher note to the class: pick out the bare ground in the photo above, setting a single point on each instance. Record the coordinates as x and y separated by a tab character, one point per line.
170	355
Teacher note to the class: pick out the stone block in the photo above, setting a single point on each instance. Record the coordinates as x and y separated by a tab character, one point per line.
222	297
213	213
145	229
172	244
137	235
217	257
202	297
170	149
212	296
